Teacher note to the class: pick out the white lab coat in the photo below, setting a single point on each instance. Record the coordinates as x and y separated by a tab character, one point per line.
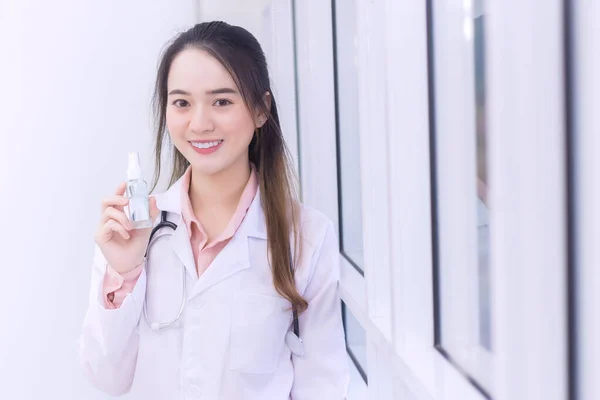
230	342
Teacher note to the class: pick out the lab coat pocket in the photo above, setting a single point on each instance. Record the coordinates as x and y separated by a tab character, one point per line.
259	325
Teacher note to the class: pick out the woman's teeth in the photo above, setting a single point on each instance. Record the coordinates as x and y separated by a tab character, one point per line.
206	145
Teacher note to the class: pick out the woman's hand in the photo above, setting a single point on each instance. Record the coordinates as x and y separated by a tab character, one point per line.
122	246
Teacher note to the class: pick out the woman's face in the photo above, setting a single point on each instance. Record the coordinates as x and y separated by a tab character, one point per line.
207	118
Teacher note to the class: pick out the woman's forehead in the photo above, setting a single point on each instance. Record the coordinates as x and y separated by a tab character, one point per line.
194	70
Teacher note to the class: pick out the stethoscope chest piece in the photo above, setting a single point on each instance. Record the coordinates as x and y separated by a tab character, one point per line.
294	343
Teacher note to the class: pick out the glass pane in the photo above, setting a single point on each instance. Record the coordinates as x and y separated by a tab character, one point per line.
483	232
356	341
346	79
461	185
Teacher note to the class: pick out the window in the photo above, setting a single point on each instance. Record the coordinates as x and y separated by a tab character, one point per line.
460	183
346	86
356	341
483	230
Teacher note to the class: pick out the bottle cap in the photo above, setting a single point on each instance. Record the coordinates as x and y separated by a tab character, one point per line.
134	170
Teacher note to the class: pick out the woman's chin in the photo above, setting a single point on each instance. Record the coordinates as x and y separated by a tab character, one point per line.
208	167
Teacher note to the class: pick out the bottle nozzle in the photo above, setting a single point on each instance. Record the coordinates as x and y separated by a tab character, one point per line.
134	170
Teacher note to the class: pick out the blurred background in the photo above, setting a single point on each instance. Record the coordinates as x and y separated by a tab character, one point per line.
454	143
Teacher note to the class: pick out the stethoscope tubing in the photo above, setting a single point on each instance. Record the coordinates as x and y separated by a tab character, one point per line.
158	326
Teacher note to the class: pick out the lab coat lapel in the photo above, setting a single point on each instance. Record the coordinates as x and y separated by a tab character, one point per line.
231	260
170	201
235	256
182	247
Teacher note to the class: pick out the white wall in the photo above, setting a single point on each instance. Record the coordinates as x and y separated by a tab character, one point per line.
76	79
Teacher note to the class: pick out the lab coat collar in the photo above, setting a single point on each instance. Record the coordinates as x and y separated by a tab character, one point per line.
253	224
170	200
233	258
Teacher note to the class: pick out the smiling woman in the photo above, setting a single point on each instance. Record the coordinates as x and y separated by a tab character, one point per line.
263	317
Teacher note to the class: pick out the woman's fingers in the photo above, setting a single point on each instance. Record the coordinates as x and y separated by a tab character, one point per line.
114	226
107	230
116	201
154	211
111	213
121	189
113	218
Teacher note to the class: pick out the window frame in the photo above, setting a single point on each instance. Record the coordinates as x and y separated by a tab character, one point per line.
528	198
449	100
361	369
581	39
352	262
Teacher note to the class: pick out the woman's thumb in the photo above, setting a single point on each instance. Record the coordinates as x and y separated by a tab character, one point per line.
154	211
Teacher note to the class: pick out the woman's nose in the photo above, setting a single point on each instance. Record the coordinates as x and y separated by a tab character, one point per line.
201	121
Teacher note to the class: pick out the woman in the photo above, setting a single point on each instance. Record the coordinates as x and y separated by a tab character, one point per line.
249	253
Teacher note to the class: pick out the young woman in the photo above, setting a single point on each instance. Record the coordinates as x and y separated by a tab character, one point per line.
213	308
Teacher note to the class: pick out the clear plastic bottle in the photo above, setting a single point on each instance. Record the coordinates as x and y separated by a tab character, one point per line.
137	193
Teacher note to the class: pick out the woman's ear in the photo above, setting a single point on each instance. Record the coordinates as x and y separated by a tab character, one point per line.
261	117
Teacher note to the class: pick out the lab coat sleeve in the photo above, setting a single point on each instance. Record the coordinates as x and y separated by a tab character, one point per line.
323	371
108	344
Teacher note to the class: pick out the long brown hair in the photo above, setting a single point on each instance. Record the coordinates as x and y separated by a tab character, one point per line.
240	53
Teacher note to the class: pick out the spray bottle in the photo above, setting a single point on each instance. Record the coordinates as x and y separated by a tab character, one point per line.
137	193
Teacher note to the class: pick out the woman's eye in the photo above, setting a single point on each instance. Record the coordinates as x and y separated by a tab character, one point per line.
222	102
180	103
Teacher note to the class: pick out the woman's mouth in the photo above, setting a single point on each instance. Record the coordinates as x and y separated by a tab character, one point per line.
206	147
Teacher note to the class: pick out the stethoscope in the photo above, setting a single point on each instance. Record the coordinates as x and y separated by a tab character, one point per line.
292	339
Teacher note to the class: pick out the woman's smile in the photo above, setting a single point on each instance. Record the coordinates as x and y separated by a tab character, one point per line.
206	147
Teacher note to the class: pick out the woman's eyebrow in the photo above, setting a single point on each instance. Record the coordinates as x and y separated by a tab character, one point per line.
222	91
209	92
179	91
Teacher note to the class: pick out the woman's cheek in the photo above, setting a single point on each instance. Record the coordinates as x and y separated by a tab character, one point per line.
240	126
175	124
